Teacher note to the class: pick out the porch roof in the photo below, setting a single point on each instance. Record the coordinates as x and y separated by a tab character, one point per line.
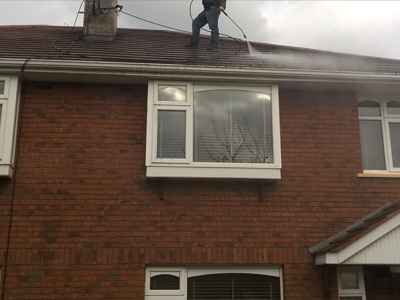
374	240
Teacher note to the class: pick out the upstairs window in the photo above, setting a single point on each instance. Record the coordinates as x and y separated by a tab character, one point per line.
9	96
213	131
380	134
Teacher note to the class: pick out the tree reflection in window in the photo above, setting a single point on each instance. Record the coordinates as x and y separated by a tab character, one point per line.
232	126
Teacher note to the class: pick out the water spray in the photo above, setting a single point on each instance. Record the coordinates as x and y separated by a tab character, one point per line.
251	49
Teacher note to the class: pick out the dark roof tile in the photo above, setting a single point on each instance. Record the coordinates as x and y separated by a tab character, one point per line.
167	47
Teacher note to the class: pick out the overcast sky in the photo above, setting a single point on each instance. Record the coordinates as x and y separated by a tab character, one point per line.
360	27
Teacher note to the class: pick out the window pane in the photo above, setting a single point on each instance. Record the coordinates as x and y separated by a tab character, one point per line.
394	129
164	282
171	93
393	107
372	145
234	286
232	126
349	280
171	134
2	87
369	108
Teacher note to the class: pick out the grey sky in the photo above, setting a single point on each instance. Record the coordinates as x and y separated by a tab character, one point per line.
360	27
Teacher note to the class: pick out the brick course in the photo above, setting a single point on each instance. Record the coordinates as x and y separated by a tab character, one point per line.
86	220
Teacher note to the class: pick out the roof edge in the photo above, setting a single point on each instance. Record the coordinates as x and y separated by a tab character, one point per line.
354	228
20	66
362	245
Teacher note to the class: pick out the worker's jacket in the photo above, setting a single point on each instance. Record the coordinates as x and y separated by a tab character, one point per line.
208	3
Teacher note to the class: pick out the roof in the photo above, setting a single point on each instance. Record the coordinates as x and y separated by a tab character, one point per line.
357	230
167	47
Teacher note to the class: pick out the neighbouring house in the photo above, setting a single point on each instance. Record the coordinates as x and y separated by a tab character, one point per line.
134	168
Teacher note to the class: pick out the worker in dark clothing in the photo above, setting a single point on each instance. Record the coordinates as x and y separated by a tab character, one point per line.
210	16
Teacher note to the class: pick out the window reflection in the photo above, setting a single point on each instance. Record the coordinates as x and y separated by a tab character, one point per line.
369	108
171	93
372	145
393	107
233	127
394	129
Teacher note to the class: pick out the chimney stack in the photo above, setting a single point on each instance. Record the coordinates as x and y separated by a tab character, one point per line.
100	23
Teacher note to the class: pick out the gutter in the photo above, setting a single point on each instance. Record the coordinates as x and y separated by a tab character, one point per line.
179	71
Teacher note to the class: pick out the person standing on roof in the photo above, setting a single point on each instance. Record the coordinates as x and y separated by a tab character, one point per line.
210	16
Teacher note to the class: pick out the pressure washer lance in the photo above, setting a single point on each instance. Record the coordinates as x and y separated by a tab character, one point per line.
224	12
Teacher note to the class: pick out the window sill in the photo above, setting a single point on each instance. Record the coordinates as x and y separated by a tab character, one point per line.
377	175
201	172
6	171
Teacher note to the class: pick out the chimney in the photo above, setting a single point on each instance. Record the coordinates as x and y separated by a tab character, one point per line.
100	21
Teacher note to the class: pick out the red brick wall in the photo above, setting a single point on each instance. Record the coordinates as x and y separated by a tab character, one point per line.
86	221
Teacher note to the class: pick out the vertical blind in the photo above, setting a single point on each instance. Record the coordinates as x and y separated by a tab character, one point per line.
232	126
234	287
171	134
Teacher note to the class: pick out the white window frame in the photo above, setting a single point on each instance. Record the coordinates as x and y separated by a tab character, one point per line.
188	272
9	101
188	146
360	292
166	270
186	168
3	121
385	118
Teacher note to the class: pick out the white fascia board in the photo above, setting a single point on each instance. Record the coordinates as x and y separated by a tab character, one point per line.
327	259
335	258
177	71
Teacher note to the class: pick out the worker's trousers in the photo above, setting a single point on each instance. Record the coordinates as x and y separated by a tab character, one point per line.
209	17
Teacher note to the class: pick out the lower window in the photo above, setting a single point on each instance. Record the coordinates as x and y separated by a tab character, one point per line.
213	283
351	283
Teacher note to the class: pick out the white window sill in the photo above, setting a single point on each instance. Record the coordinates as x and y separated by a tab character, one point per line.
378	175
6	171
201	172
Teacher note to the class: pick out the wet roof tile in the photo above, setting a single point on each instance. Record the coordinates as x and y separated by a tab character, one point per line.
167	47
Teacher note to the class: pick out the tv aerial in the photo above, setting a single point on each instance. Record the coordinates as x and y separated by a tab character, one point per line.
105	5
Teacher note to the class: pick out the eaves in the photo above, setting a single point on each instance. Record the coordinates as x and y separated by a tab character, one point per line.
81	71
